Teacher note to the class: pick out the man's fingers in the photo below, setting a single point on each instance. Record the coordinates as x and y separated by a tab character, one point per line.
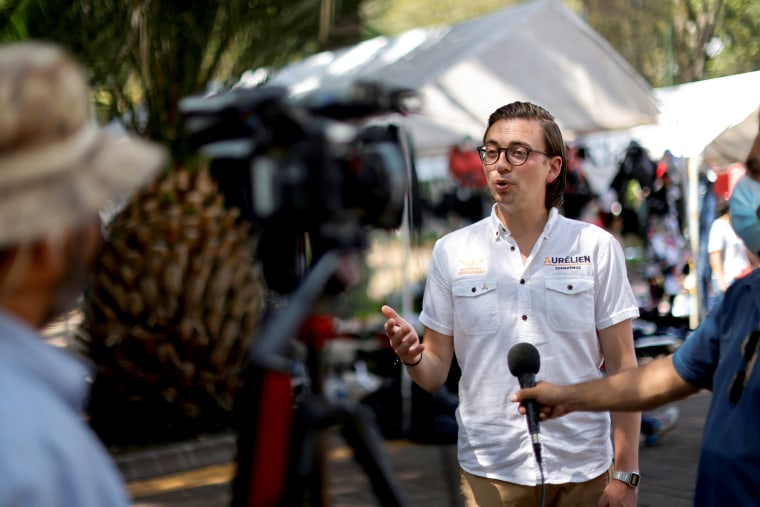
403	338
527	393
409	344
395	326
389	312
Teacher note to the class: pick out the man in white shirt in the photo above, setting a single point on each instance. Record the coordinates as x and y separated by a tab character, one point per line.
527	274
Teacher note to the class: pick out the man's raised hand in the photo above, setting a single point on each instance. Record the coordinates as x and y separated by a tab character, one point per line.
403	338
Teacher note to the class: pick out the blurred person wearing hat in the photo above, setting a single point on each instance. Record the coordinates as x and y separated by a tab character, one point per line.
57	170
729	258
720	355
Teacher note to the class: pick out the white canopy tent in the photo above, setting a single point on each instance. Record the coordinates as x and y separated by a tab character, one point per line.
694	114
733	144
714	119
538	51
703	122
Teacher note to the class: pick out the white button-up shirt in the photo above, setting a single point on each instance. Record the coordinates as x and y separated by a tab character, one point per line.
479	291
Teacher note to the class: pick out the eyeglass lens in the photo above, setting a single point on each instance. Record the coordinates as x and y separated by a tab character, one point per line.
516	155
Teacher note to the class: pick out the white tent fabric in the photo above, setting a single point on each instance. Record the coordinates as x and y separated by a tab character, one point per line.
693	114
734	143
538	51
691	124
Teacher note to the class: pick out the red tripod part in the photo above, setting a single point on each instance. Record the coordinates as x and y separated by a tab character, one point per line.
270	460
317	330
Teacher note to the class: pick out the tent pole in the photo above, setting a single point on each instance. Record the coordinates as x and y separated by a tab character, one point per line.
406	295
692	203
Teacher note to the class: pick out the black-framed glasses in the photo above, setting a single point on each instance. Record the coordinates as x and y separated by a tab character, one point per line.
516	155
749	354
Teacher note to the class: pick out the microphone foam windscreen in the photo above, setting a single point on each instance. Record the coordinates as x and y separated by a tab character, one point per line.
523	358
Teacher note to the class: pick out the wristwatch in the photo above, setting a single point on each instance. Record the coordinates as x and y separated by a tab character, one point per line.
632	479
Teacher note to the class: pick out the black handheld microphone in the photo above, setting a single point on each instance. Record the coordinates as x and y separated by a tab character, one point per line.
524	362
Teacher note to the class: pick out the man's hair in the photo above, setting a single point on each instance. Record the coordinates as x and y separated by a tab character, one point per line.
555	145
721	207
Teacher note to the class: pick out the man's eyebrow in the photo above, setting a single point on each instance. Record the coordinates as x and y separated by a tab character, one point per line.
512	143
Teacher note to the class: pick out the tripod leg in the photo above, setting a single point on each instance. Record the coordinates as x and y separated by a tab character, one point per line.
263	442
368	452
307	473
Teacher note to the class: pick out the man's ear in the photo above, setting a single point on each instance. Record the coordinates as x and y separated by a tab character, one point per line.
554	170
13	263
29	265
49	254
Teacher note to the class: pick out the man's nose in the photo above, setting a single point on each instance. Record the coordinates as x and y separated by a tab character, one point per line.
502	162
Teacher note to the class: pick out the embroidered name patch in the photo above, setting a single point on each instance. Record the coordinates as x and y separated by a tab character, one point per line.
471	267
569	262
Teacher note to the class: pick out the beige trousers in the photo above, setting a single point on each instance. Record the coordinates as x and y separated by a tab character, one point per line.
482	492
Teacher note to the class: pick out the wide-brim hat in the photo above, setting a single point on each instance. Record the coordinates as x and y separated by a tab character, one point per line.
58	168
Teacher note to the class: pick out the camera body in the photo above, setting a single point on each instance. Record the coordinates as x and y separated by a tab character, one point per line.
309	175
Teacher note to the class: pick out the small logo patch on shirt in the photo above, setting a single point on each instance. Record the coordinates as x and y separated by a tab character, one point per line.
472	267
567	262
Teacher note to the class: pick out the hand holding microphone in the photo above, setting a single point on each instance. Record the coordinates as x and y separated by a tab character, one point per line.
550	400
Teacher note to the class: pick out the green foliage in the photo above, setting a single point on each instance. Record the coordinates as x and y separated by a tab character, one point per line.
664	41
669	42
145	55
12	20
395	16
638	30
739	33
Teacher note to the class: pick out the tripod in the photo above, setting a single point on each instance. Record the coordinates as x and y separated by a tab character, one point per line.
281	455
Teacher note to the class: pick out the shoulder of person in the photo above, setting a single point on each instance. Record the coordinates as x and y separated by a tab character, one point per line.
573	226
749	281
742	292
478	228
719	224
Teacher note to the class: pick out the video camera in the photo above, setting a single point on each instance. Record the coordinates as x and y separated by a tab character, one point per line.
309	174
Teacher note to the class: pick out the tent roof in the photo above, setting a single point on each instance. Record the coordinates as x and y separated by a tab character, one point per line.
693	114
538	51
733	144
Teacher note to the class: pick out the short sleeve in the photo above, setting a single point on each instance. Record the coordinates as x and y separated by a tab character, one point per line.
715	238
696	360
437	301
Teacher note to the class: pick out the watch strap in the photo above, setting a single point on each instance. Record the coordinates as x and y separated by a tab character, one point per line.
632	479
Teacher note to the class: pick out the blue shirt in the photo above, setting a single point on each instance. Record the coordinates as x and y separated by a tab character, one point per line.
48	454
729	463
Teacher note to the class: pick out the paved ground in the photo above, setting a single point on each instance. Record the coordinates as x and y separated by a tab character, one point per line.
428	476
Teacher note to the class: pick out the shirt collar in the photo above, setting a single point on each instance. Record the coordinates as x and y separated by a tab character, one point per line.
497	228
553	217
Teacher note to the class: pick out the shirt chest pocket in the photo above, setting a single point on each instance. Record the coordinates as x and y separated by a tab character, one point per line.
476	305
570	304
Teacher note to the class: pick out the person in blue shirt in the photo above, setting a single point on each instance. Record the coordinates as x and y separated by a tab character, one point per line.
57	170
720	355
